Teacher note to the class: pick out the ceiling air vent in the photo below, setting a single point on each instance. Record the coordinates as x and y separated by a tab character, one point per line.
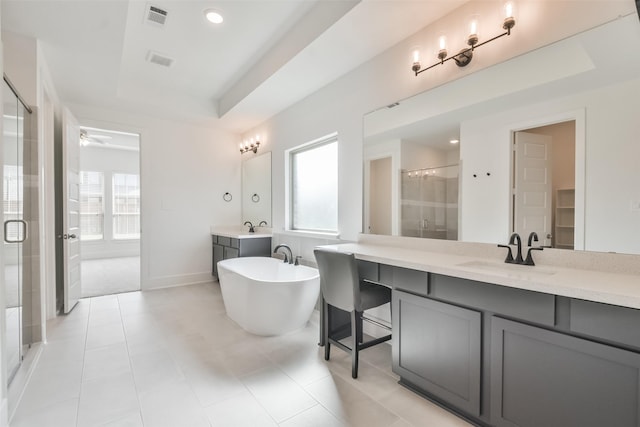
159	59
156	16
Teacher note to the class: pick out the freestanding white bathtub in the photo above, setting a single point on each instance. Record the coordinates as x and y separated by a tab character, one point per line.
266	296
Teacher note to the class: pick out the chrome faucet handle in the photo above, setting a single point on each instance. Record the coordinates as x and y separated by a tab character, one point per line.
251	229
298	258
509	258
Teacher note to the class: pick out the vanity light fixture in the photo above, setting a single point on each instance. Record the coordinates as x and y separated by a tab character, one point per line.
463	57
251	145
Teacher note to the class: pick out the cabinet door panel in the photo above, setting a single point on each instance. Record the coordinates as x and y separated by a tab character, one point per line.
218	255
544	378
436	346
230	252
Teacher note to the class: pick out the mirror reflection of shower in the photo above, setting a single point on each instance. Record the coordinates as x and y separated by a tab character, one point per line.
429	202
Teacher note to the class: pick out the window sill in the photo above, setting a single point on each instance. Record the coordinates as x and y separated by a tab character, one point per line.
312	234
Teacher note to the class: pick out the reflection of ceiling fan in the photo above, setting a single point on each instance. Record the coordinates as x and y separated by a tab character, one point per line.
86	137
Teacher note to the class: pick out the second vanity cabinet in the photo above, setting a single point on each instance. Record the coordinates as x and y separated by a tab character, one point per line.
501	356
225	247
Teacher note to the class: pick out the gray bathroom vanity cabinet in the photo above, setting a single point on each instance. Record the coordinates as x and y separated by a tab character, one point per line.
502	356
225	247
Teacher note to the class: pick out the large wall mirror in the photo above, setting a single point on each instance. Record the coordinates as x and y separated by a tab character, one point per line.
256	189
546	142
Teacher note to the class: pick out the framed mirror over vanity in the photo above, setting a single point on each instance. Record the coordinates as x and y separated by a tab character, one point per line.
573	103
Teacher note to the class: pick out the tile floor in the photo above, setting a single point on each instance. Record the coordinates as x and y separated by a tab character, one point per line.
110	276
172	358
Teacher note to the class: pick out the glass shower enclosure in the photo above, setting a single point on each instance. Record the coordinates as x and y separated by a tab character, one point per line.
20	210
429	202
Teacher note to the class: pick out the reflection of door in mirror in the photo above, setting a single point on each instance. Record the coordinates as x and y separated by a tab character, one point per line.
544	165
380	201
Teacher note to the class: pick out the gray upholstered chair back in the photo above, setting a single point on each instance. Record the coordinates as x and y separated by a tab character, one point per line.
339	280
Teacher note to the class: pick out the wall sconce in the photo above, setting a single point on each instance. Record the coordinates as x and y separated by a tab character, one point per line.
250	146
463	57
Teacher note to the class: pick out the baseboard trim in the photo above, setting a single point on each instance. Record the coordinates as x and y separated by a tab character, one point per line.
177	280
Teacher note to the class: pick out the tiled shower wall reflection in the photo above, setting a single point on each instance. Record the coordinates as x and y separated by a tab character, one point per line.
429	203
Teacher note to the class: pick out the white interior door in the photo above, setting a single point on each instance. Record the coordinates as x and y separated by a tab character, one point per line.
532	186
71	211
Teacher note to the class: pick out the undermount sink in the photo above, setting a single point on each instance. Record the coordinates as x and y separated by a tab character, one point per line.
509	270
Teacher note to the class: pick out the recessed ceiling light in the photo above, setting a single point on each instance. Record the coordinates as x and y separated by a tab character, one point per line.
213	16
454	141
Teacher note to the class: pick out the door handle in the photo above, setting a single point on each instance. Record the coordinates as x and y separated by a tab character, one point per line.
24	230
66	236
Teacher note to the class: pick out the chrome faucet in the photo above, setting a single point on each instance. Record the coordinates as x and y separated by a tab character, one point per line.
288	259
251	229
262	223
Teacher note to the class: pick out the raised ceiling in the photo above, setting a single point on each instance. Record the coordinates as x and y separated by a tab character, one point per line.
265	56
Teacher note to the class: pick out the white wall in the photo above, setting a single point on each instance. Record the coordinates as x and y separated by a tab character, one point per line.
185	169
4	416
388	78
611	152
109	161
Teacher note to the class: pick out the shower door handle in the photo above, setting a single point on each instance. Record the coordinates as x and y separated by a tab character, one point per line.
24	230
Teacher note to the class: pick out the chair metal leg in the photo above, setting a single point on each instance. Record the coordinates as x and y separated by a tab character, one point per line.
356	332
325	327
360	333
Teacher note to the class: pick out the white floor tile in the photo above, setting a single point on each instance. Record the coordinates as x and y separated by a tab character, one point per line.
239	411
349	404
107	399
106	362
59	414
317	416
278	394
173	404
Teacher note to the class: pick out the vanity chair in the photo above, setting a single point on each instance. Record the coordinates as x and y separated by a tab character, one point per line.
342	289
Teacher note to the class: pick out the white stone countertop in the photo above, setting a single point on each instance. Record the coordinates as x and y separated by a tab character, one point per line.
240	232
620	289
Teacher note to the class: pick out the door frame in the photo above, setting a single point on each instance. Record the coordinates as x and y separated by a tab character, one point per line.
579	116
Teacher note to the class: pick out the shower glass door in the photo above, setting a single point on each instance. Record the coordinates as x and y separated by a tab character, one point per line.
15	138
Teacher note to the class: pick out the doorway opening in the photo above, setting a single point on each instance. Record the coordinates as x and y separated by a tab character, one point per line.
544	184
109	211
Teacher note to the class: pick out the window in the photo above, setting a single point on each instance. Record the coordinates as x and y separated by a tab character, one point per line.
91	205
314	186
126	206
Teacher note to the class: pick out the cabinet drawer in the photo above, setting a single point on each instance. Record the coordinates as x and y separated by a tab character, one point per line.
413	281
545	378
234	243
214	239
609	322
526	305
224	241
368	270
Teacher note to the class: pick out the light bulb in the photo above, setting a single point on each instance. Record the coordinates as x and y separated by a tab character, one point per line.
508	10
509	20
472	40
442	53
213	16
442	42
